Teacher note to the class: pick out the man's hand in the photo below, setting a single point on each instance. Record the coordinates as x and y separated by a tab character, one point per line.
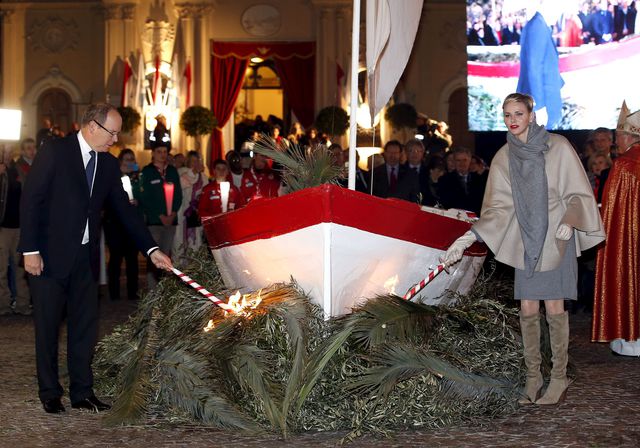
167	220
33	264
456	250
161	261
564	232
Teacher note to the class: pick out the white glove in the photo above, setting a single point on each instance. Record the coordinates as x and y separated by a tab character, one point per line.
455	251
564	232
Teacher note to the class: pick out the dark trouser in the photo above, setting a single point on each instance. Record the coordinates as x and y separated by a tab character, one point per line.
78	295
121	247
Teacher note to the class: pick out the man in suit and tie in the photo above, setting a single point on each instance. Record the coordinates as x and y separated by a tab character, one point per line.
392	179
461	188
415	164
69	182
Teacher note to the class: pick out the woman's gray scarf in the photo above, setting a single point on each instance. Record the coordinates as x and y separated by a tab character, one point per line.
529	190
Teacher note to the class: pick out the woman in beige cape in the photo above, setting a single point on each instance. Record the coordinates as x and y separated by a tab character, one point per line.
538	214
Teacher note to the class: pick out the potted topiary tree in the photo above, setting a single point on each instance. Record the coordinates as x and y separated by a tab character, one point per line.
333	121
131	121
402	117
197	121
131	118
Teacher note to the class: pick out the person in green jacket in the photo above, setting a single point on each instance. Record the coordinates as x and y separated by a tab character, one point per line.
152	195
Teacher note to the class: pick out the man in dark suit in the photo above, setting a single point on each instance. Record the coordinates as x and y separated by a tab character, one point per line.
624	19
602	23
461	188
392	179
69	182
415	164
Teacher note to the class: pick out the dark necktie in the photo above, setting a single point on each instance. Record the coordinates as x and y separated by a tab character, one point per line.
91	169
393	180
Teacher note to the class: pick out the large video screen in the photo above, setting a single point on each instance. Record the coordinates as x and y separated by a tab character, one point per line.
579	59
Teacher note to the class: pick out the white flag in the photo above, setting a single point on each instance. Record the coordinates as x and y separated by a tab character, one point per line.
391	31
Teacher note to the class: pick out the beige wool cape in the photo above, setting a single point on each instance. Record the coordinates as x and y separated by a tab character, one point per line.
571	202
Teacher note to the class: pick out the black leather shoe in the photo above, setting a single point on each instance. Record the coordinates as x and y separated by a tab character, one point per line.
91	404
53	406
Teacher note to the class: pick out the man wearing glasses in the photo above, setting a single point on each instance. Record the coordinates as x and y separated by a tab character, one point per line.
69	182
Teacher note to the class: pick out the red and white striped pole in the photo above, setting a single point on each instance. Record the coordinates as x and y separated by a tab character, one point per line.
189	281
415	289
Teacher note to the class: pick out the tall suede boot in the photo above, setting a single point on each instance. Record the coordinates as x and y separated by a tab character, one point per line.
559	338
530	328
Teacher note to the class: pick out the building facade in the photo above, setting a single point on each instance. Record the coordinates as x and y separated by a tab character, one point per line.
156	56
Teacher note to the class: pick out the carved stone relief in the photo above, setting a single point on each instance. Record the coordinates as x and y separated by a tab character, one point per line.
53	35
453	36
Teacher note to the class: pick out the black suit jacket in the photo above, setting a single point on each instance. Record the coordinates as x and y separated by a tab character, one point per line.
407	188
56	204
620	19
426	196
452	193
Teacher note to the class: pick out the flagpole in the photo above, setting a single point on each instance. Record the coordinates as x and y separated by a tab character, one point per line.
353	125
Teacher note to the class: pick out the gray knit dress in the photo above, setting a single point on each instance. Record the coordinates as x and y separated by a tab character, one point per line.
559	283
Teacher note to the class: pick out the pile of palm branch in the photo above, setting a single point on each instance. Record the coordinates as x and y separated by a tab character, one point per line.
391	364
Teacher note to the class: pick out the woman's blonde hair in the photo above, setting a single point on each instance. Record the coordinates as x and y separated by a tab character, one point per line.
523	98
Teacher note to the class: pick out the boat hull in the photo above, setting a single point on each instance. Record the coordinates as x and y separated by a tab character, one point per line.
340	247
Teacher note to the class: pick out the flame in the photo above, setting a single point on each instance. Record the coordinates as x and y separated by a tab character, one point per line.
242	304
237	304
210	326
391	283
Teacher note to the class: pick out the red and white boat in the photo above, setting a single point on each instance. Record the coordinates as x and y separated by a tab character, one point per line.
340	246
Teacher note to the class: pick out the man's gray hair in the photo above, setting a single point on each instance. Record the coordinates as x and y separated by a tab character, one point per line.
97	112
413	142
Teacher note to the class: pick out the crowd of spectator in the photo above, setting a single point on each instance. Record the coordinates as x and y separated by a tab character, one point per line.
581	22
431	171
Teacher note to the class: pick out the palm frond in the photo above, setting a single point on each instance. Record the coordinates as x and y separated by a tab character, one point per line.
395	363
131	404
390	317
184	382
318	361
294	314
250	366
301	167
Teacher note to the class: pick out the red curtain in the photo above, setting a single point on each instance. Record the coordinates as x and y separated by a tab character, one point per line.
227	76
295	64
298	80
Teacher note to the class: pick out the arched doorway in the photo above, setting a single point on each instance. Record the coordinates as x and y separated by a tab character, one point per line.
262	95
459	119
55	104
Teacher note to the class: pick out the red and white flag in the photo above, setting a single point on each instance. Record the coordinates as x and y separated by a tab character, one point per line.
187	76
128	72
156	80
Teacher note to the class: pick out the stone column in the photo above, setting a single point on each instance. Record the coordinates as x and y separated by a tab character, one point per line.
185	14
113	34
13	54
201	65
131	39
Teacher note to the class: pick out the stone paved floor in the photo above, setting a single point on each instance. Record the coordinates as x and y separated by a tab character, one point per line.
602	408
